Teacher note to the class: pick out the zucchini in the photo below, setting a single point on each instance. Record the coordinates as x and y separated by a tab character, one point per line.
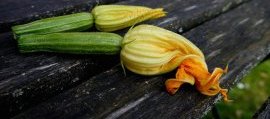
72	22
73	43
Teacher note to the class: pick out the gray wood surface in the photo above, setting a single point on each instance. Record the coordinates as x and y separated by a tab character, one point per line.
264	111
28	79
240	38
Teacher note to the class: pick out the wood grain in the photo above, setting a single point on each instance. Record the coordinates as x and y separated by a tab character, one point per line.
27	79
264	111
240	38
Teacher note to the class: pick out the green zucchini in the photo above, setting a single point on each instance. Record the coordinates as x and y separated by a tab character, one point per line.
74	43
72	22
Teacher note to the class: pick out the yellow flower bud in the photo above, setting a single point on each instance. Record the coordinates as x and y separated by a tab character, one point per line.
150	50
115	17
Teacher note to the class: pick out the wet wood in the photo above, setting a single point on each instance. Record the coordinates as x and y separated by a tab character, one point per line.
240	38
27	79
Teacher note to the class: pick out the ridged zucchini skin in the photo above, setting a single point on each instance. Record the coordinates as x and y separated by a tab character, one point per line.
71	23
73	43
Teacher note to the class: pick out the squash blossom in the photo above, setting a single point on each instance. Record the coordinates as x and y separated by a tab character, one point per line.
115	17
150	50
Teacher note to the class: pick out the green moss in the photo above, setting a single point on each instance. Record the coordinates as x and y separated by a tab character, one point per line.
248	95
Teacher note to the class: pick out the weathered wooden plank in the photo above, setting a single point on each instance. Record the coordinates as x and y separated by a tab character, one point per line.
240	38
21	11
26	79
264	111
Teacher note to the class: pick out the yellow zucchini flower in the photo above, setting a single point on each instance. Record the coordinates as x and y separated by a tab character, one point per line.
115	17
150	50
